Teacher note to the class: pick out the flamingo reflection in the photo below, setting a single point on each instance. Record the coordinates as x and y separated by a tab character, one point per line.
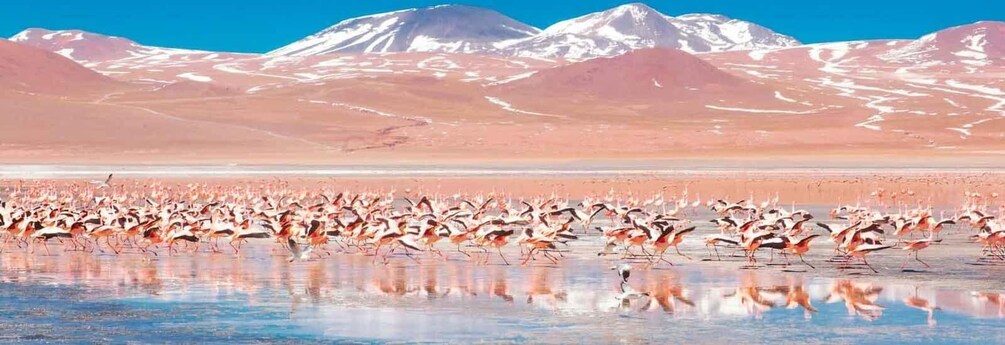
859	298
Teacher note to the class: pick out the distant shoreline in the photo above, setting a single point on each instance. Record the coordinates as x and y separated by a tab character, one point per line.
378	171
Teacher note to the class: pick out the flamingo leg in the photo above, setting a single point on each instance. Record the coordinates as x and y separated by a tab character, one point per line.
109	243
681	254
919	259
665	260
646	253
97	244
550	257
530	254
502	256
870	266
376	251
804	261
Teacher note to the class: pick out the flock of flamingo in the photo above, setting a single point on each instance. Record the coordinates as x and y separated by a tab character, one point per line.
311	223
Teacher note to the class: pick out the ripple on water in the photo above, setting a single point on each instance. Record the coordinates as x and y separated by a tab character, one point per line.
78	297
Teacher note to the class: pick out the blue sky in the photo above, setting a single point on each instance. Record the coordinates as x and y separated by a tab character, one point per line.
259	26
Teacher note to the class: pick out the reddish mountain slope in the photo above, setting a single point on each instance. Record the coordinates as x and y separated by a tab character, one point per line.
648	74
29	69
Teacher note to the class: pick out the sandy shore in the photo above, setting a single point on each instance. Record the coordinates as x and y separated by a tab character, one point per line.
801	186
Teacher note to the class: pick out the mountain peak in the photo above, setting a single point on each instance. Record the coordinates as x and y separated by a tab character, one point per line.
631	22
68	35
77	45
636	6
634	26
468	29
636	9
977	44
444	28
711	17
88	48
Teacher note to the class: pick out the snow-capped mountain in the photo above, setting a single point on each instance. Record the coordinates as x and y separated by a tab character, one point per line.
86	47
636	26
612	32
111	55
978	44
721	33
464	29
448	28
77	45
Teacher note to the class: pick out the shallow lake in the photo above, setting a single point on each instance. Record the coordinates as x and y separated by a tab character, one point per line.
206	297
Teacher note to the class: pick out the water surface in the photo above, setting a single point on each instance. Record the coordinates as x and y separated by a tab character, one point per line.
259	296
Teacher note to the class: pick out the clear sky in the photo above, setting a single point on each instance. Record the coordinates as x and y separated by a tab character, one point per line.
259	26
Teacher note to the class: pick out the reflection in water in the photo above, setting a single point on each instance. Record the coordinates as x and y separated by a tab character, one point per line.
499	286
312	291
666	292
859	298
796	296
918	302
754	297
545	289
992	301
